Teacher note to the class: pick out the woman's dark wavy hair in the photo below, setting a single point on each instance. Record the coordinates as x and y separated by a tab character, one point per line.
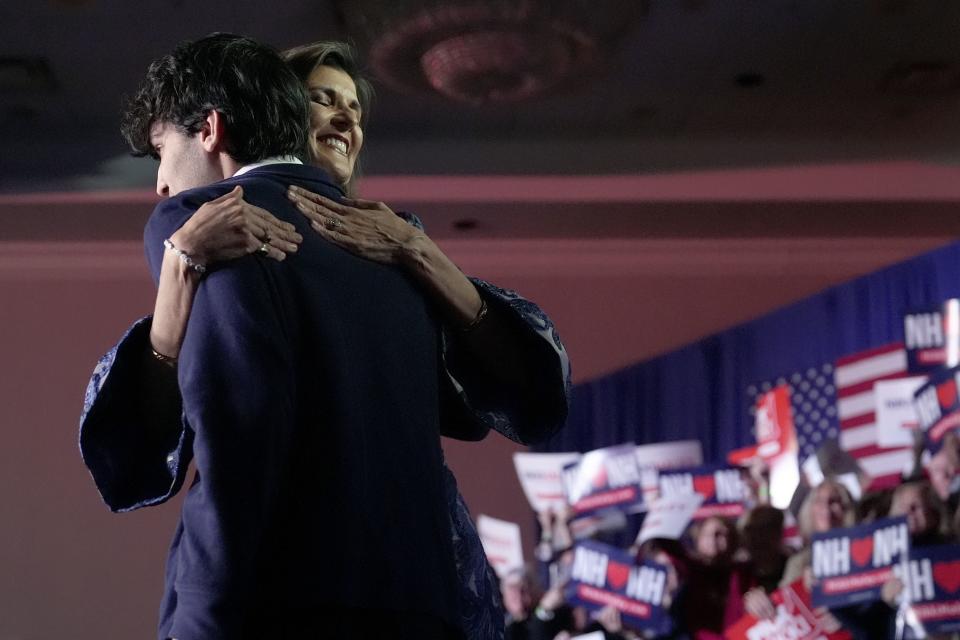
339	55
265	107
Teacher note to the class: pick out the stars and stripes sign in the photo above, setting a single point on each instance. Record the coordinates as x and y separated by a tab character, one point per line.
837	400
854	377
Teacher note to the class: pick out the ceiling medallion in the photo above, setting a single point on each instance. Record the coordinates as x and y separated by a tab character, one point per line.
491	52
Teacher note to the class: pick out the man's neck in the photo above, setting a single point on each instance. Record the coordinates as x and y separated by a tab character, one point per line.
228	165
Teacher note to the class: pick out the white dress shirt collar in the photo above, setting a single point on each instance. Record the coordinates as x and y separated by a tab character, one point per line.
274	160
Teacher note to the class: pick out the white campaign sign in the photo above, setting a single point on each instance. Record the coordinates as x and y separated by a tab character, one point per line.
668	517
541	476
501	543
670	455
896	415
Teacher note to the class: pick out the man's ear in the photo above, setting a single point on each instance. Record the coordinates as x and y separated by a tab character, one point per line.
213	134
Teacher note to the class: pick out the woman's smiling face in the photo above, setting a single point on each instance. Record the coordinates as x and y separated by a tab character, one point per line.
335	133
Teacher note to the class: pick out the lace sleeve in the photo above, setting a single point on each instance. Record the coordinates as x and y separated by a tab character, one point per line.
135	460
543	411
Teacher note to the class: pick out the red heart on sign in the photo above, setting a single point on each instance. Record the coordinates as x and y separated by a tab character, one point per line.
947	575
861	550
705	485
617	574
947	394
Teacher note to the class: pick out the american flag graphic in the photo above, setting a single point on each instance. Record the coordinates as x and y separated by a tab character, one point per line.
836	400
854	377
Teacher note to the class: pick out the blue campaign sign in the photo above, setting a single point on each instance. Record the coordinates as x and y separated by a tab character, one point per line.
607	576
850	565
931	336
722	487
938	406
604	479
933	587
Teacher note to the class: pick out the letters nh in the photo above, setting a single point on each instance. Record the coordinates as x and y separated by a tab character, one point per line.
928	407
646	584
831	557
888	543
676	484
920	580
622	471
923	330
729	486
589	566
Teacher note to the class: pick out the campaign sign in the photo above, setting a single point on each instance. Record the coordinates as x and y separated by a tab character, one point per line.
932	337
933	587
665	455
938	406
773	424
795	619
603	576
668	517
668	455
776	444
541	476
722	487
850	565
896	414
604	479
590	525
501	543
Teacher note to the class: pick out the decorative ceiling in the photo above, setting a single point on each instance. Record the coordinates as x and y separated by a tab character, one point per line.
519	88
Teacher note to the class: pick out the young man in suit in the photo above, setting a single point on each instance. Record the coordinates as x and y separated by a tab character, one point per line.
309	385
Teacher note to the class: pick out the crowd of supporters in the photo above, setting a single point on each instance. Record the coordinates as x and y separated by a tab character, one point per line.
722	569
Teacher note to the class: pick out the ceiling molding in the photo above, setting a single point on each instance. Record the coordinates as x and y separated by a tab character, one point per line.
549	258
895	181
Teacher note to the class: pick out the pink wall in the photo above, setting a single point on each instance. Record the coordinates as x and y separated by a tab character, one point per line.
72	569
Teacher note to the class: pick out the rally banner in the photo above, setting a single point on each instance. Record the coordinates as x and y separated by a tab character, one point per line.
722	487
541	476
896	414
604	479
933	587
938	406
932	337
501	543
795	619
604	576
850	565
668	517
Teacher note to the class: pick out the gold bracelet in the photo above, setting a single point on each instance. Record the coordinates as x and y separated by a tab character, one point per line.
481	314
167	360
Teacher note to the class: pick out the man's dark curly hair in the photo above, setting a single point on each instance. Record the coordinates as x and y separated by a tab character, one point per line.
265	108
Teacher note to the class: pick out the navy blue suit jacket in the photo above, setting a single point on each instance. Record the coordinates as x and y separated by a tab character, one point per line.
310	387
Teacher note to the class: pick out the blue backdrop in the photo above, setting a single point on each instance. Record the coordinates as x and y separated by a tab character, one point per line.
701	391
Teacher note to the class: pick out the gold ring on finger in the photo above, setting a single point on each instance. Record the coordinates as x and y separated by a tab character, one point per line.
334	224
